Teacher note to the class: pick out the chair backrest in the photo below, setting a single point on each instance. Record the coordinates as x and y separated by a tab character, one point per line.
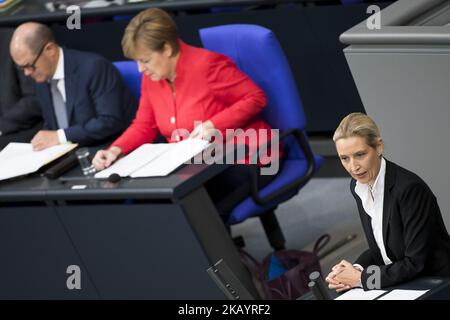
257	52
131	76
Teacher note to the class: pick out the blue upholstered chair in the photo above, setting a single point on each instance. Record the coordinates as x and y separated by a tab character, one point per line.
131	76
256	52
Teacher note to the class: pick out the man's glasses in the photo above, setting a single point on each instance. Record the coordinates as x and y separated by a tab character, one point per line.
32	66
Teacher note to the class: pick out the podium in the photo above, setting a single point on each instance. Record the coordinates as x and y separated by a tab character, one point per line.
402	73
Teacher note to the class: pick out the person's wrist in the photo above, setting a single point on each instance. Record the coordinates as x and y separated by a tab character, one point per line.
359	282
115	150
358	267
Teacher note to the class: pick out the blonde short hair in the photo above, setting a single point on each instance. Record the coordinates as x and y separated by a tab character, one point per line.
151	28
361	125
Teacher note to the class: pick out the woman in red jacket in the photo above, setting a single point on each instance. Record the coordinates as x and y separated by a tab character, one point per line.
186	88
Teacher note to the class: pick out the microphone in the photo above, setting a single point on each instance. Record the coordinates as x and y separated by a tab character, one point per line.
114	177
61	167
318	287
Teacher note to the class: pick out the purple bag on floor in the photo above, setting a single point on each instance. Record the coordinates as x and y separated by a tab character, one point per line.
284	274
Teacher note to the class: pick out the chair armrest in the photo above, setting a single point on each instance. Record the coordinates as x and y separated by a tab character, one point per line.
303	143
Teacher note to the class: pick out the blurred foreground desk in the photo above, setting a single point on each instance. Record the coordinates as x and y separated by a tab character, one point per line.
439	289
148	238
38	10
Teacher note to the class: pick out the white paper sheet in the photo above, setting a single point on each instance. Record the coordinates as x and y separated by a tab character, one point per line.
360	294
398	294
135	160
18	159
154	160
168	161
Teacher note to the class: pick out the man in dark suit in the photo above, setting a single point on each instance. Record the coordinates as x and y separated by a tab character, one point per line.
82	95
20	114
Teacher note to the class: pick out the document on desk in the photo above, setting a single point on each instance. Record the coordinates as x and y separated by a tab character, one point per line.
155	160
398	294
360	294
18	159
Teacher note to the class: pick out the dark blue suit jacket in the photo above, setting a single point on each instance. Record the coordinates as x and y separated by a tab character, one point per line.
99	106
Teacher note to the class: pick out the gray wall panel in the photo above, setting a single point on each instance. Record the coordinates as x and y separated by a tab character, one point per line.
402	73
408	95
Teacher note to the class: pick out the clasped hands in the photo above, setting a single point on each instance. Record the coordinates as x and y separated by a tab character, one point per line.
344	276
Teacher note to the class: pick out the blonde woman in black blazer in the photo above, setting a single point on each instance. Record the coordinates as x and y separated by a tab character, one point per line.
400	216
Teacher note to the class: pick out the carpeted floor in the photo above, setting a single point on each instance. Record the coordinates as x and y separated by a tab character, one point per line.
324	205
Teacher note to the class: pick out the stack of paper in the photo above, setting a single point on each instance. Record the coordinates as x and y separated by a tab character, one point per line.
360	294
153	160
398	294
18	159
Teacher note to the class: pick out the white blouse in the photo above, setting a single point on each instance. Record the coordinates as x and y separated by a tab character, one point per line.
372	201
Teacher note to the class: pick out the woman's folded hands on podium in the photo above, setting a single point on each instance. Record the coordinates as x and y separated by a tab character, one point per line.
344	276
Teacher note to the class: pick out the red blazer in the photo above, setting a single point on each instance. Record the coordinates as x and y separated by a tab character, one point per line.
208	86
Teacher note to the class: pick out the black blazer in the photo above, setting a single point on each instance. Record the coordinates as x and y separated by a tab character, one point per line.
414	233
99	105
19	108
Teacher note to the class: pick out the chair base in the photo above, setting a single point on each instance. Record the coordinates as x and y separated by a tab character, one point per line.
239	241
273	231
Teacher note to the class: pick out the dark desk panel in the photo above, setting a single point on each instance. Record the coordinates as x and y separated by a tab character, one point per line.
149	238
176	185
35	252
130	255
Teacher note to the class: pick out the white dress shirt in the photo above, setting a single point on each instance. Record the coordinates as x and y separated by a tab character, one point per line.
61	85
372	201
